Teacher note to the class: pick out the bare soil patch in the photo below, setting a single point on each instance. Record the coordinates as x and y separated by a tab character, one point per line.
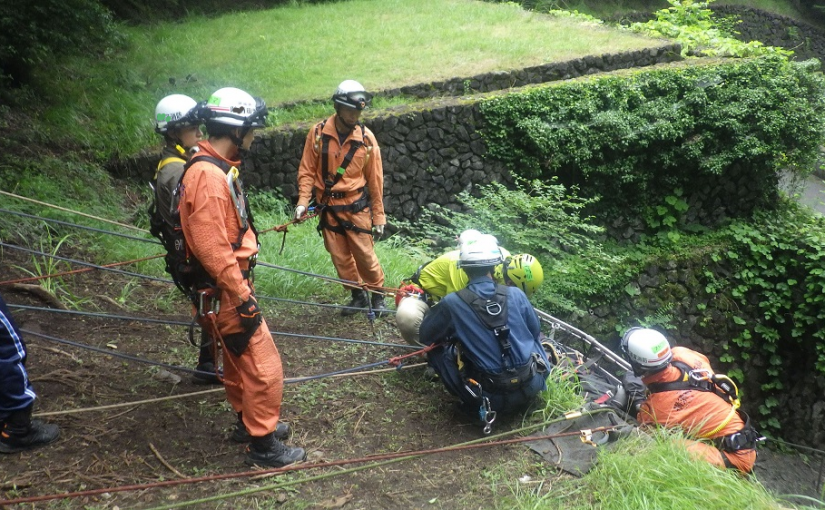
333	418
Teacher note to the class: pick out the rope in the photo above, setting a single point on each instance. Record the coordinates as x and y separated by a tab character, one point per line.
182	323
194	394
81	227
395	457
189	370
80	262
396	361
164	280
125	225
75	271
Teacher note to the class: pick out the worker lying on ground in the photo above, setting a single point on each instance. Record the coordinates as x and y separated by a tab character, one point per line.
490	354
441	276
683	392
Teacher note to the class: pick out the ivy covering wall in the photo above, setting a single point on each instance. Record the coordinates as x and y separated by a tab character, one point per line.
635	140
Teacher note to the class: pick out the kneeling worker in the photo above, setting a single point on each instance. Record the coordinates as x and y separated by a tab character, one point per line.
442	276
491	357
685	393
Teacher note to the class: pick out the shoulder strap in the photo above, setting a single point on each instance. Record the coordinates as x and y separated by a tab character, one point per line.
166	161
353	148
727	392
493	314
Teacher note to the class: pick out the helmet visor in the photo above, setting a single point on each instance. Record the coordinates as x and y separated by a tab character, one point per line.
359	100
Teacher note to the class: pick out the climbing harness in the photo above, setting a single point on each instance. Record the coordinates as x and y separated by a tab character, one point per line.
493	314
702	379
362	202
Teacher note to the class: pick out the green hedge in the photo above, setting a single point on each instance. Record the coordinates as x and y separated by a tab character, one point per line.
634	140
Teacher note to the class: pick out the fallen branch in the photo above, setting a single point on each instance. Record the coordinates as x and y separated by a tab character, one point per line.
38	291
163	461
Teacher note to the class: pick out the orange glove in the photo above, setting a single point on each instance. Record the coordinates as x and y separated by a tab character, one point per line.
407	290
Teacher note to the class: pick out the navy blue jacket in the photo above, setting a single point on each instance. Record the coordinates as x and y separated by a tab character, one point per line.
453	319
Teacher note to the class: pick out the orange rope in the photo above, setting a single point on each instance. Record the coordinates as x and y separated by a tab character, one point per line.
75	271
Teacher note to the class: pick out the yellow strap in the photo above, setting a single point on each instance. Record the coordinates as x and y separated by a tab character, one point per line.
723	424
165	162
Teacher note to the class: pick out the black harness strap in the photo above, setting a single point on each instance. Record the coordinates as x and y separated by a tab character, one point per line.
745	439
685	382
493	314
358	205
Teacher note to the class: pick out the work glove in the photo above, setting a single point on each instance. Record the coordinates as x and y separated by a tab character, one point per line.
299	212
378	229
250	314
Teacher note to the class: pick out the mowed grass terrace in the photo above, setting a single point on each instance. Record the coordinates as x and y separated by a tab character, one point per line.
302	52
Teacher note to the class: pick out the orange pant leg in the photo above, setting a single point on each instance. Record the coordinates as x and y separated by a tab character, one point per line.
353	253
254	381
742	460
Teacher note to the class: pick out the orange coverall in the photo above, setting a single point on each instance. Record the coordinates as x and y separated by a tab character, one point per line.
353	253
253	381
696	412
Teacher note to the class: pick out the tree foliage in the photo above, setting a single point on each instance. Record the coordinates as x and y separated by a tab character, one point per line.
38	33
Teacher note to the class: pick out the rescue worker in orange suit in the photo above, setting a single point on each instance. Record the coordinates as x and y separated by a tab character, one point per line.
176	119
214	217
683	392
341	169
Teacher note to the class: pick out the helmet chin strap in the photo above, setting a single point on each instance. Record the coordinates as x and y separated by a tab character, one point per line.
349	126
238	141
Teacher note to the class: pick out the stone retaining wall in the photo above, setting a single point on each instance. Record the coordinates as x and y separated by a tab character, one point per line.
431	151
701	321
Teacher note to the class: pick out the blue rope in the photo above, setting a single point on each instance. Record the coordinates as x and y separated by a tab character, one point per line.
189	370
82	227
181	323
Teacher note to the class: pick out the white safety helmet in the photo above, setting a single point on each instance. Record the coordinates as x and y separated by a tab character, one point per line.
409	314
468	235
351	94
647	350
482	251
175	111
234	107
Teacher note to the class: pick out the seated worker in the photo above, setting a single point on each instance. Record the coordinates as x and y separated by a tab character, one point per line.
684	393
442	276
491	357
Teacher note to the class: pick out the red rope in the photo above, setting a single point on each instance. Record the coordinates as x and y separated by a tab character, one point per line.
396	361
285	226
85	269
299	467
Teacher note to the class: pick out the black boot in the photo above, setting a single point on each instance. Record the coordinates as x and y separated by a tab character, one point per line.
359	300
268	451
241	435
206	362
205	374
20	432
378	305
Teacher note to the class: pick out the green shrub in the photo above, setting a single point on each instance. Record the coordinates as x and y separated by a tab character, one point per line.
633	140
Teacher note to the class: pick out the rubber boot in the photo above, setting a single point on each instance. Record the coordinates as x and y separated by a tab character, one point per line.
268	451
20	432
378	305
241	435
359	300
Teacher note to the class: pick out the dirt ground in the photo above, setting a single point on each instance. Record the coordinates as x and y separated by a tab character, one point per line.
333	418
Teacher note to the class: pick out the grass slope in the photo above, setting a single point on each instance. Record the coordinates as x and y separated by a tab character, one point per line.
294	53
